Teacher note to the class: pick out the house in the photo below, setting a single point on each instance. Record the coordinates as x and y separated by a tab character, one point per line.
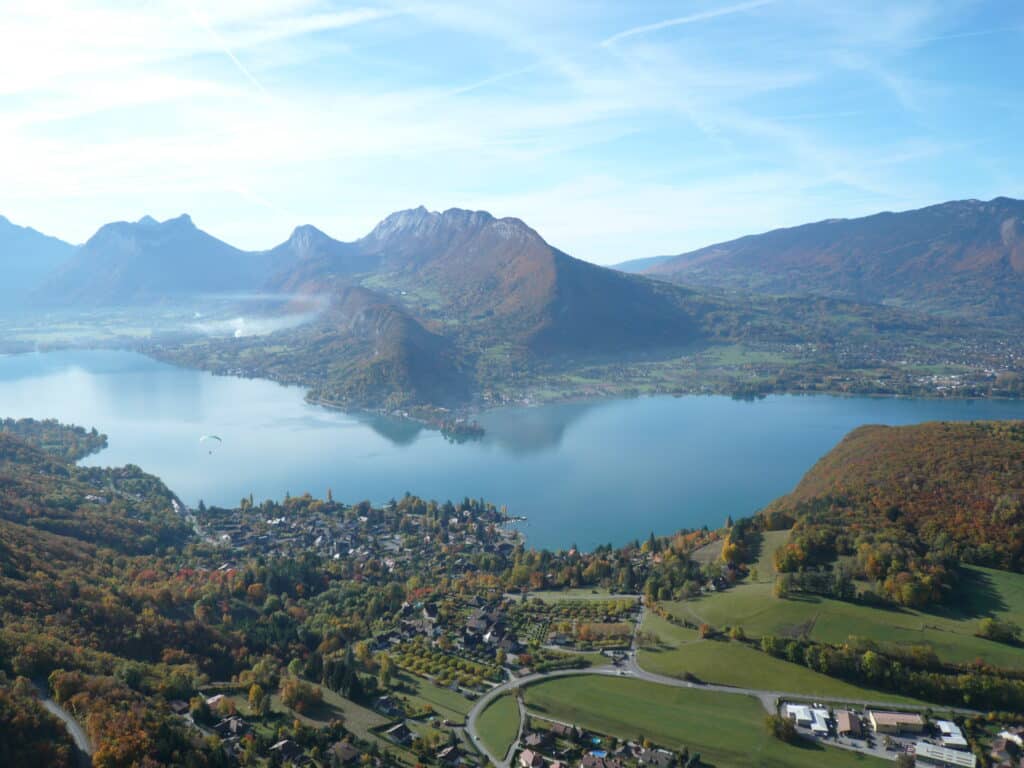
657	758
450	755
895	722
179	707
538	740
951	735
848	724
232	727
400	734
1016	735
388	706
563	731
932	756
530	759
213	701
344	753
1002	754
288	750
598	761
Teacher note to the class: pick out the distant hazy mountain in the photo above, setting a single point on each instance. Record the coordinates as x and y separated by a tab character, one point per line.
964	257
26	257
304	259
636	266
131	262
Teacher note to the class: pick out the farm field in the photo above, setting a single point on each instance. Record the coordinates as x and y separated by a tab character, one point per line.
732	663
499	724
983	592
728	730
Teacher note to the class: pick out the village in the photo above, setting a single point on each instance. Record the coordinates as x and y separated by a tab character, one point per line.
431	672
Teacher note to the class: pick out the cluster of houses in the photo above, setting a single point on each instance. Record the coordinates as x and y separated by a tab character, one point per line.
450	755
560	745
489	627
314	526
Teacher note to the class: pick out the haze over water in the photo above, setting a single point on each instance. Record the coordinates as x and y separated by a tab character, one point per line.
582	473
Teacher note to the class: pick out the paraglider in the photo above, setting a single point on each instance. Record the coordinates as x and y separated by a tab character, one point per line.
210	442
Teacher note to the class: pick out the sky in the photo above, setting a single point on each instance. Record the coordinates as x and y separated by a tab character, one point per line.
617	130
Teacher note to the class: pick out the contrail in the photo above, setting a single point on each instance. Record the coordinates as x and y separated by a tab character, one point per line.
693	17
222	44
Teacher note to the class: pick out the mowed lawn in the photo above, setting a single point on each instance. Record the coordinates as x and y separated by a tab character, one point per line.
728	730
499	724
732	663
984	592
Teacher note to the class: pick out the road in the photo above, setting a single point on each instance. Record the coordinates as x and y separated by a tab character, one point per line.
78	734
632	669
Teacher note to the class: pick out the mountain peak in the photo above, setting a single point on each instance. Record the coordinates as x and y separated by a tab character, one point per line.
419	221
305	233
148	221
184	220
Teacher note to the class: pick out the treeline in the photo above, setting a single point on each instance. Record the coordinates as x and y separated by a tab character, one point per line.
67	442
914	671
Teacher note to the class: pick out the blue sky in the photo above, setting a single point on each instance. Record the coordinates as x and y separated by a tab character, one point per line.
616	129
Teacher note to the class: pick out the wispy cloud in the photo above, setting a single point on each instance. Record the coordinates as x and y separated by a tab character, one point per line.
602	141
692	18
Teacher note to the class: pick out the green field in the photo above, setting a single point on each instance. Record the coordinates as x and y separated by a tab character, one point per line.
732	663
445	702
728	730
765	565
499	724
983	592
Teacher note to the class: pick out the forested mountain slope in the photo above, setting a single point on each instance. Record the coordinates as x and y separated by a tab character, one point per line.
964	257
906	504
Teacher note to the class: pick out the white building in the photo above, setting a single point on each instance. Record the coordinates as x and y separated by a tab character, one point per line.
940	757
952	736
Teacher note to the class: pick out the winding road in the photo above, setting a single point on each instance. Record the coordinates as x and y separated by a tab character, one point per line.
74	728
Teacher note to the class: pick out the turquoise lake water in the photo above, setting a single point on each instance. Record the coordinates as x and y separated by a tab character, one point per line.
582	473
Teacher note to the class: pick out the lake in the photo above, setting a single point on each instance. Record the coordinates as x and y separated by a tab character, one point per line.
582	473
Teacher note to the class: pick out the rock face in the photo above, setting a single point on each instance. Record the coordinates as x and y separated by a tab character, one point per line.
960	258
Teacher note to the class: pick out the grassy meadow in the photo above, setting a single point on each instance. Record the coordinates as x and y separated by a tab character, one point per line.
727	729
951	632
499	724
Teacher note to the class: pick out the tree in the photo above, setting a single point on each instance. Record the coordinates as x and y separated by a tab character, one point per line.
386	670
299	695
782	728
258	700
1000	631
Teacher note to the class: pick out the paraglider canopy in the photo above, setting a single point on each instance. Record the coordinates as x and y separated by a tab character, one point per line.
210	442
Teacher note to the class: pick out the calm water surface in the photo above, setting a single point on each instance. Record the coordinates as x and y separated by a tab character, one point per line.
583	473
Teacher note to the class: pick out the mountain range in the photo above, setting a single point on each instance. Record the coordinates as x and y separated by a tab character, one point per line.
417	309
959	258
